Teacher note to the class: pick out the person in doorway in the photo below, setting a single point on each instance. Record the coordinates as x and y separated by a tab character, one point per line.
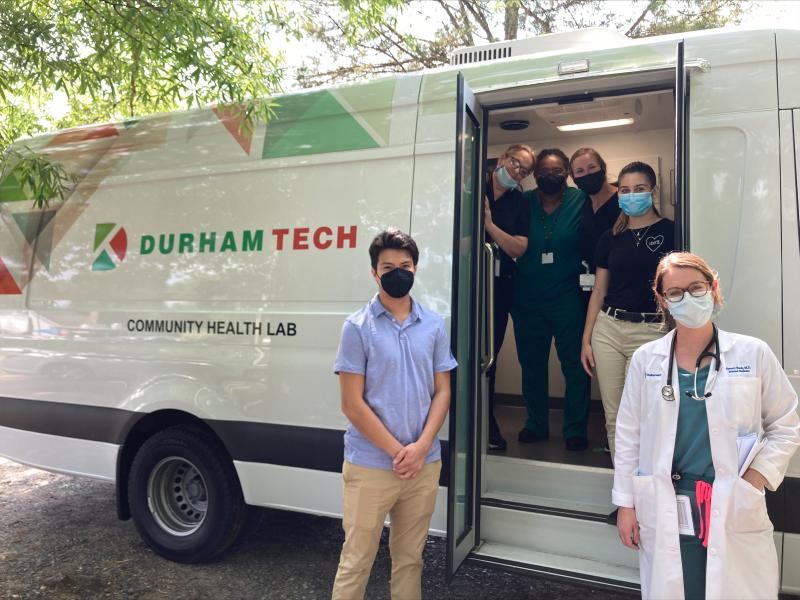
394	364
589	172
694	402
548	304
622	313
507	222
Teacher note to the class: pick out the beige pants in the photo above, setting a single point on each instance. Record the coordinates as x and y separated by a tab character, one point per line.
613	345
369	494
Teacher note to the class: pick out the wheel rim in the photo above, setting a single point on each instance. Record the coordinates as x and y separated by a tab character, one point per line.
177	496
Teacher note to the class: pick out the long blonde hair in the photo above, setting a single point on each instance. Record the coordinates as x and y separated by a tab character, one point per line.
635	167
685	260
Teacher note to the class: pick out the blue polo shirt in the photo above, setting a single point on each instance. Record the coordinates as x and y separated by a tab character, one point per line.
398	363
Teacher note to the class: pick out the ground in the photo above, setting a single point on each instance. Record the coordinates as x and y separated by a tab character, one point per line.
60	538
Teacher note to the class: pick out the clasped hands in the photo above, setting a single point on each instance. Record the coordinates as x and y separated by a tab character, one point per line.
408	462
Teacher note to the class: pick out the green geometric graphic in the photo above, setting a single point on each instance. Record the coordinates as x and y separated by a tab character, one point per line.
373	103
31	223
313	123
11	190
44	245
102	231
103	263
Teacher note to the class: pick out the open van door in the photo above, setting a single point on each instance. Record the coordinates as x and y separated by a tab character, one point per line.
681	181
468	248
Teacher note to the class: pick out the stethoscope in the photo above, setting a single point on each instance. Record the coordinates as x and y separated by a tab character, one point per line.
668	392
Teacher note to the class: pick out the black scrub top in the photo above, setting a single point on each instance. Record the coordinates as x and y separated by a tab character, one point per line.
511	214
594	224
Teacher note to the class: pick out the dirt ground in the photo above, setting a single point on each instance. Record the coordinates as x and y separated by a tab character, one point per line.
60	538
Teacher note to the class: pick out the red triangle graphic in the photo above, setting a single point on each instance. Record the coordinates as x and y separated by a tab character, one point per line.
81	134
7	283
232	117
120	244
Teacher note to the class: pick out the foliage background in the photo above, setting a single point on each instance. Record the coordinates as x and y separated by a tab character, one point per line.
70	62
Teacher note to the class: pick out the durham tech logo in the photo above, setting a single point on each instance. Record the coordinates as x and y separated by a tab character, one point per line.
110	246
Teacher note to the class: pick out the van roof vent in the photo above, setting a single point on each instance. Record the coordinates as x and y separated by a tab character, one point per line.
584	39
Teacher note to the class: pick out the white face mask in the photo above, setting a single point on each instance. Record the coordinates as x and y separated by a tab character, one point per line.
692	312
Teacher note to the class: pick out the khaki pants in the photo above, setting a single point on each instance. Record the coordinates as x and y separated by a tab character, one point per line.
613	345
369	494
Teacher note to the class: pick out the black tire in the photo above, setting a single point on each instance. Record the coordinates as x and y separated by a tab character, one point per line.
184	495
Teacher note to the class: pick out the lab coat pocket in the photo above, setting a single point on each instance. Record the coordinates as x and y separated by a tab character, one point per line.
741	402
749	509
644	500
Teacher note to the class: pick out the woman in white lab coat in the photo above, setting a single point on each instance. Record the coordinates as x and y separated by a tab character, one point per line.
691	399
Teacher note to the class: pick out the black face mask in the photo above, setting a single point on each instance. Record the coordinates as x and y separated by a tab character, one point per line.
551	184
591	183
397	282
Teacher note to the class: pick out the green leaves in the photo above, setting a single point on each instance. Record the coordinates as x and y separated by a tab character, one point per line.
38	178
117	59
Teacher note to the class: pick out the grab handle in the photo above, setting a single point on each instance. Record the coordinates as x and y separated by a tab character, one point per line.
489	254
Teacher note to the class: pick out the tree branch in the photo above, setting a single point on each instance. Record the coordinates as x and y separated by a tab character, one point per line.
650	6
480	18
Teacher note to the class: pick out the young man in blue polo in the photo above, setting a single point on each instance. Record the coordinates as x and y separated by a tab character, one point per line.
394	364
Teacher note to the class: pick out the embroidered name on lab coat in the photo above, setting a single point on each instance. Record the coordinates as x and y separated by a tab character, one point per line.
739	369
652	374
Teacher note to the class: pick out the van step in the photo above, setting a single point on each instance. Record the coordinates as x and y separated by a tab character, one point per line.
574	487
555	543
566	569
524	503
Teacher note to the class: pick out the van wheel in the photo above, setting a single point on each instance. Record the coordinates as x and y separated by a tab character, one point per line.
184	496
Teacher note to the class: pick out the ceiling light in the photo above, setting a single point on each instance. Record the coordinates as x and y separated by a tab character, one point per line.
595	125
514	124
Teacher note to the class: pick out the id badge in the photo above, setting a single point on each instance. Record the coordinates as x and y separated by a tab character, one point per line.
685	521
586	281
547	258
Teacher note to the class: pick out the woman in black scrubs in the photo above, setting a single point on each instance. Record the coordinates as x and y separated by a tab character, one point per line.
507	221
600	213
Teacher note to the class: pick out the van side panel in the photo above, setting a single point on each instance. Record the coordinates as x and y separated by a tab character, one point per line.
210	272
434	181
741	74
788	52
734	189
790	241
60	454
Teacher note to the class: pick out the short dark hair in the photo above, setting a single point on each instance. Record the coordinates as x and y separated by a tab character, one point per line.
639	167
392	239
558	153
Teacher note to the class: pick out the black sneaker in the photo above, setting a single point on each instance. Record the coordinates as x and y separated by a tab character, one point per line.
497	442
576	444
526	436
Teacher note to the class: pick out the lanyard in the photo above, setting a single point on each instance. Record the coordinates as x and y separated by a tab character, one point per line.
668	392
548	231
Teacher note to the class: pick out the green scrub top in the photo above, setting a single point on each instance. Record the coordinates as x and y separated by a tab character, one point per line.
539	281
692	445
692	458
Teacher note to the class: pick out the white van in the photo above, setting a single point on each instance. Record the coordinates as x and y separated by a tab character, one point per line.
171	326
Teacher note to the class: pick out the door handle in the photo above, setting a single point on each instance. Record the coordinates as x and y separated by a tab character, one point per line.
489	255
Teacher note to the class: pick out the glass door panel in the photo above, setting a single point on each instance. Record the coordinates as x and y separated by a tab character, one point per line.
467	252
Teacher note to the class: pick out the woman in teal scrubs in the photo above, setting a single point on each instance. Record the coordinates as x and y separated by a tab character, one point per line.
548	303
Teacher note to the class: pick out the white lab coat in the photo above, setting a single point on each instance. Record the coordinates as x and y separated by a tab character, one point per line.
751	394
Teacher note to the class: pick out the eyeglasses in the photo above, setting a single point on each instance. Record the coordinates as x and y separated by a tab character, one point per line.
517	166
697	289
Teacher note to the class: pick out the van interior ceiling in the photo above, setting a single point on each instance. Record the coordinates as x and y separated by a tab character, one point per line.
648	136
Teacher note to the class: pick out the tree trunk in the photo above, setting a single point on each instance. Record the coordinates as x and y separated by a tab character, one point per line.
511	23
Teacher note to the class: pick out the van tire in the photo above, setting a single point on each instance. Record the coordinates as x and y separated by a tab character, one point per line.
184	495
